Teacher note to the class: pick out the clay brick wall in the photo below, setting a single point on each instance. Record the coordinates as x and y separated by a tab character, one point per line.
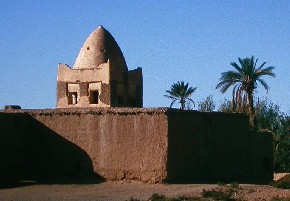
110	143
211	147
135	78
31	150
262	157
82	77
129	143
122	143
13	145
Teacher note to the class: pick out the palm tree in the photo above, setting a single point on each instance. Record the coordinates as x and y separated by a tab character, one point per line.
244	81
180	92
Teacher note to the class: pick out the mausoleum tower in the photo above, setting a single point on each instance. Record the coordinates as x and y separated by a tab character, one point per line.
99	77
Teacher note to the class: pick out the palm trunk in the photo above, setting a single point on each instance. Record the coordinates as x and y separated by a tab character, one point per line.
251	108
182	104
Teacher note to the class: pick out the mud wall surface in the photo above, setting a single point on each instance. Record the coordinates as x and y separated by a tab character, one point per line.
112	143
133	143
123	144
14	157
31	150
262	157
212	147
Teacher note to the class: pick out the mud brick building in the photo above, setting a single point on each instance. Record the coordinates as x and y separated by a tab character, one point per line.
99	129
99	77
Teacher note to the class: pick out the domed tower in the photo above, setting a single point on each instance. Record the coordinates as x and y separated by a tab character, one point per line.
99	77
100	47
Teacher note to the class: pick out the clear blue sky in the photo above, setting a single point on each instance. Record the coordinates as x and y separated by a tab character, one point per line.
194	41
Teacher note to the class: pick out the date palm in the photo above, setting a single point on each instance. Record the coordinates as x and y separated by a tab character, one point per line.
244	80
180	92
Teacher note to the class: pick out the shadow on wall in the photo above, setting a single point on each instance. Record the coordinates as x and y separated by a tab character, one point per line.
32	153
217	147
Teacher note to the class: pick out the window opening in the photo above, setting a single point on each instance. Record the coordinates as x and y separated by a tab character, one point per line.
132	101
72	98
94	97
120	100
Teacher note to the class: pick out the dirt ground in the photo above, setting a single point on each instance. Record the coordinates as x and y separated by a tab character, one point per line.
124	190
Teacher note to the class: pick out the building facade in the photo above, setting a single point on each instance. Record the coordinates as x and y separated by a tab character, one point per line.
99	77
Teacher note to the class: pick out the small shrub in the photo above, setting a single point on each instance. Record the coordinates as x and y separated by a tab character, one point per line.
217	195
280	199
283	183
157	197
235	185
221	183
206	196
133	199
272	183
184	198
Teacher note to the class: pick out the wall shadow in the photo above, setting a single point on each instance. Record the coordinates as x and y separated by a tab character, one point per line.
31	153
184	165
215	147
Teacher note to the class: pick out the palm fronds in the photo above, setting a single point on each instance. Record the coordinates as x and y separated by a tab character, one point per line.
180	92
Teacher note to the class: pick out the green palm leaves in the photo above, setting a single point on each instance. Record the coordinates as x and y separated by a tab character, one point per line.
244	81
180	92
246	76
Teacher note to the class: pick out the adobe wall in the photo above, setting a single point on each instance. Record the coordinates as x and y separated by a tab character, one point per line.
83	77
135	78
30	150
13	145
262	156
122	143
129	143
96	74
117	143
211	147
105	79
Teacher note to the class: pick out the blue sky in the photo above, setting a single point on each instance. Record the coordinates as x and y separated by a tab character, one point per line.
194	41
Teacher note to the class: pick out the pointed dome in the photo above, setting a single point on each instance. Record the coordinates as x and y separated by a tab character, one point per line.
97	49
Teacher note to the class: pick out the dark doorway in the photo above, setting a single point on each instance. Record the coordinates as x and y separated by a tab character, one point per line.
94	97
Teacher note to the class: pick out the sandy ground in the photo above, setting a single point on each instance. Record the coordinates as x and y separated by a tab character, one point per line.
124	190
